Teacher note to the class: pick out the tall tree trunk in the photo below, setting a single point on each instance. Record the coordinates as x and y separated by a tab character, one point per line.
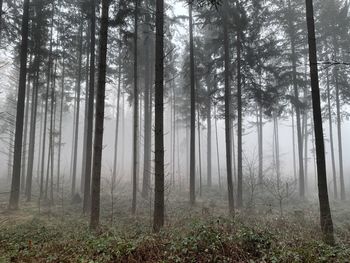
199	152
239	123
136	113
24	147
297	109
86	106
148	112
217	147
158	219
48	81
16	172
293	142
277	152
100	105
60	125
261	144
77	117
228	113
1	2
193	114
340	142
90	113
209	179
114	172
325	212
329	107
31	150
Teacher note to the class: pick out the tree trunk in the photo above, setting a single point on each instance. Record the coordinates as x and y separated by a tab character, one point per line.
86	106
209	179
148	113
158	219
136	114
340	143
261	144
228	114
217	147
193	114
16	172
329	107
297	110
100	105
31	150
90	113
325	212
114	172
239	124
77	116
60	125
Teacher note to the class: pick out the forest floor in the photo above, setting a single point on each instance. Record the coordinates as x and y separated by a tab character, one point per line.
204	233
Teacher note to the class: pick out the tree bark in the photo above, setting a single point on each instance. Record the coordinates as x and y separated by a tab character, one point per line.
136	114
193	114
158	218
329	107
325	212
90	113
77	116
16	172
99	122
228	114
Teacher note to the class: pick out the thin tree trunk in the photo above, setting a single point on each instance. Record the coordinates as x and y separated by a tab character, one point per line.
16	172
158	219
325	212
209	177
193	114
217	148
31	150
136	114
199	152
293	141
331	136
297	111
228	113
340	143
24	147
86	106
60	125
100	105
239	123
90	113
114	172
77	116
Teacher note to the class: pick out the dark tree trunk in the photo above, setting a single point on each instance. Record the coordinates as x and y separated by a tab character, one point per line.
293	142
114	172
24	147
77	116
100	105
228	114
199	152
136	114
329	107
297	109
193	115
239	125
261	144
148	113
158	219
90	113
340	142
16	172
60	125
86	106
325	212
217	148
209	179
31	149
